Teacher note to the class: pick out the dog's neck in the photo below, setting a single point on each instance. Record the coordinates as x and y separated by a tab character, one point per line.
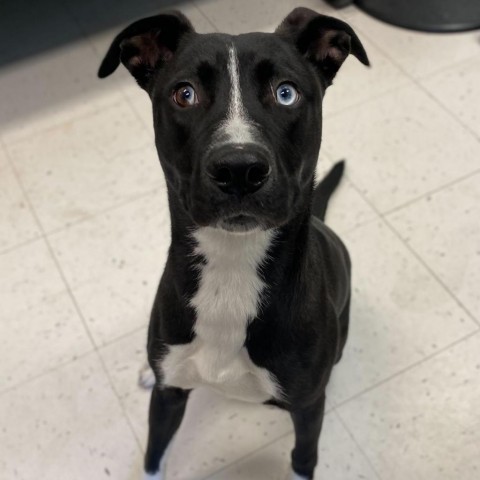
274	251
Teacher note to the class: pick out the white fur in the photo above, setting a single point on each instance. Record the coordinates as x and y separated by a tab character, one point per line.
296	476
155	476
226	301
146	377
237	128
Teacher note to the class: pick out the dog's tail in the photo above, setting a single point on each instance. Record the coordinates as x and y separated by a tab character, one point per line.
324	190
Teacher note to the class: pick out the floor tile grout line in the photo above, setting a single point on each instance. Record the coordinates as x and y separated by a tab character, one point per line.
458	63
448	111
432	192
419	85
99	55
14	172
80	221
401	372
55	259
329	411
21	244
74	302
105	345
200	10
248	455
357	444
388	224
71	360
120	402
431	271
80	116
100	213
96	348
46	372
60	270
408	82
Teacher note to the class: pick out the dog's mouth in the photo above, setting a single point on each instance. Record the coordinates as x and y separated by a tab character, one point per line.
239	223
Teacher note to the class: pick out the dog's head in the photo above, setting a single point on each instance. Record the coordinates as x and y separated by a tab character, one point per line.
237	119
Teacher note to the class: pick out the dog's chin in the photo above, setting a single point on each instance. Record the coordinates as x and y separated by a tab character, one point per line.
239	224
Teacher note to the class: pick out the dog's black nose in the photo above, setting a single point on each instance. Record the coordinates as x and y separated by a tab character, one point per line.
239	170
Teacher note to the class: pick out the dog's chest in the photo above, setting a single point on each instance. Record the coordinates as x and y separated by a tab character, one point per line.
226	300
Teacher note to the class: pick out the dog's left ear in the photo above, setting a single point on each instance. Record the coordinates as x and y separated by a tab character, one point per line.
146	45
324	41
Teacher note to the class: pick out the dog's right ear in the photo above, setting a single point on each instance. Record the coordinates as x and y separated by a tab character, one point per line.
146	45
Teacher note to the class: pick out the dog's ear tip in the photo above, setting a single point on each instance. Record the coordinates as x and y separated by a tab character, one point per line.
102	73
361	54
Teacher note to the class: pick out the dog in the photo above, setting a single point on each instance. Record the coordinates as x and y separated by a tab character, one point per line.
254	299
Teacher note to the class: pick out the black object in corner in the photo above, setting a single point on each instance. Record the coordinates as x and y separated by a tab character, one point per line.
424	15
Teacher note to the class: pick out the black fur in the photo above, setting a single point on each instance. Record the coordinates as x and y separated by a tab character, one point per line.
302	326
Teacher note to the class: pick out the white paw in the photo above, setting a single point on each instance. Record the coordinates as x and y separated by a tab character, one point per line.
295	476
153	476
146	377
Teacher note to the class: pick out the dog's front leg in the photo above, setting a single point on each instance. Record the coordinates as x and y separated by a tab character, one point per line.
167	407
308	425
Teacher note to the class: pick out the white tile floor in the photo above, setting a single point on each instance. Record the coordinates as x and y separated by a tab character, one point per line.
83	238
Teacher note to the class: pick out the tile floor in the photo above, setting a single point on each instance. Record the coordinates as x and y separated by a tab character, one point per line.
84	232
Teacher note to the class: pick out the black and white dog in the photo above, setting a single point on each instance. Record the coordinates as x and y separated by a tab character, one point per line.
254	299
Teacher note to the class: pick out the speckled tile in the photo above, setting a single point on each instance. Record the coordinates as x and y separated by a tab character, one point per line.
123	359
399	313
458	89
444	230
50	89
215	431
425	423
339	459
418	53
356	83
233	17
394	146
67	424
86	165
141	105
116	263
28	276
39	327
16	220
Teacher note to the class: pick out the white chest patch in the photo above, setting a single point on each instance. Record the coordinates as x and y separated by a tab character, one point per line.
226	301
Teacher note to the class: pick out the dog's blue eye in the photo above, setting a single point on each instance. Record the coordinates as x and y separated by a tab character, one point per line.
287	94
185	96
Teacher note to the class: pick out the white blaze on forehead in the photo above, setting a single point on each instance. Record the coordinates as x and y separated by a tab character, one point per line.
237	128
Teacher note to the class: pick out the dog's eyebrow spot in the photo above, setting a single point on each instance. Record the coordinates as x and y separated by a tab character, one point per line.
206	74
264	71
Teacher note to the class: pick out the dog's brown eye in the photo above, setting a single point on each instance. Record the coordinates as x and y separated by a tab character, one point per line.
185	96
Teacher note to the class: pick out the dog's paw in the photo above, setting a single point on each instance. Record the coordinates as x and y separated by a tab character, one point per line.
294	476
146	379
153	476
